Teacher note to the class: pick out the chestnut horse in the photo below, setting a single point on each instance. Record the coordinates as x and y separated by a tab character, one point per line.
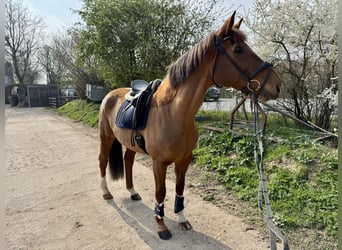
222	58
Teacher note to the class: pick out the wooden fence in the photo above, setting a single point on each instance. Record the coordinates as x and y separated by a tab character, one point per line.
56	102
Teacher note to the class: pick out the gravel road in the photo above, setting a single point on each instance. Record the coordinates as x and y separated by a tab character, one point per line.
54	201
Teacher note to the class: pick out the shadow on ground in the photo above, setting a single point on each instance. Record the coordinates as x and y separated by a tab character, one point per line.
140	217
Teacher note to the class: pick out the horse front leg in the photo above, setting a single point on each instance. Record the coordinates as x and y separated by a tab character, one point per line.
129	161
159	172
180	170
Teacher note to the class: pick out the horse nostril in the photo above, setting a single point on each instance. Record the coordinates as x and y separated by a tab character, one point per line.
278	88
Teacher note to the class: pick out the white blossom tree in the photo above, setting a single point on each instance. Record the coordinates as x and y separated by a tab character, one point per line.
300	38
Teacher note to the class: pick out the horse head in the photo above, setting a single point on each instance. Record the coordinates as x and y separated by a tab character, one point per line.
236	65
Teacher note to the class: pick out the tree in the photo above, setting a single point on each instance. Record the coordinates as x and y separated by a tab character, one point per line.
63	62
52	67
139	38
300	37
21	40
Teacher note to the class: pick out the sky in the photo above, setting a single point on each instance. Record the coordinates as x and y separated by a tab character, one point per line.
58	14
239	5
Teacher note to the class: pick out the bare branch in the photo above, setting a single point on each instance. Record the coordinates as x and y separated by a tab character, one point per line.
21	40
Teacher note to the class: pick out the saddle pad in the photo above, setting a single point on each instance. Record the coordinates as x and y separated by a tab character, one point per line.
124	118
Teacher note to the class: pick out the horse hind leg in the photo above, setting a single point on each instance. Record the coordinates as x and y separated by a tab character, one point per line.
180	171
129	161
110	151
103	161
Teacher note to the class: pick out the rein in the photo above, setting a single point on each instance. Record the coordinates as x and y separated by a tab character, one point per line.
262	190
249	77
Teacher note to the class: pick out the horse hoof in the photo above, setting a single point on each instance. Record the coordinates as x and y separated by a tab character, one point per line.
186	226
108	196
165	235
136	197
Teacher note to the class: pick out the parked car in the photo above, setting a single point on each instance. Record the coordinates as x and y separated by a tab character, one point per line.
213	93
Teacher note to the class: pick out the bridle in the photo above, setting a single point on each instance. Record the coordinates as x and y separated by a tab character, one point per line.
249	77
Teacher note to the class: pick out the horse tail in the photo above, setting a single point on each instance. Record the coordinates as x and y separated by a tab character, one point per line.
116	164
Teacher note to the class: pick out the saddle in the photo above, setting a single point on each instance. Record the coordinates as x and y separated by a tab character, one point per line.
134	111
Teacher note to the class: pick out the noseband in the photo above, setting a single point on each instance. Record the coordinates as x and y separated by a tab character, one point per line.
249	77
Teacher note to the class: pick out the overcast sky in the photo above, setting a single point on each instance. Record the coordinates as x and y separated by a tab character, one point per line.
58	14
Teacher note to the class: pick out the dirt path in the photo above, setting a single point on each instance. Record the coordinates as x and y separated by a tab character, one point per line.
54	199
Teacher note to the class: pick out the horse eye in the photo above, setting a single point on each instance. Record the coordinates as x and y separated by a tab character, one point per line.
237	49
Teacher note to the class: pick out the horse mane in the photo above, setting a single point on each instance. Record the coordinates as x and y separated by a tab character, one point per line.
185	65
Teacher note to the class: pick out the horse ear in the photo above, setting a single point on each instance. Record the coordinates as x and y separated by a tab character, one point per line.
227	26
237	25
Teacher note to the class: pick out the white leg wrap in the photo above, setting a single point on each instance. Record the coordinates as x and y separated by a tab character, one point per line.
104	185
181	217
132	191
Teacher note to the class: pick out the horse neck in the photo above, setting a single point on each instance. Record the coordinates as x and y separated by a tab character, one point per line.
190	94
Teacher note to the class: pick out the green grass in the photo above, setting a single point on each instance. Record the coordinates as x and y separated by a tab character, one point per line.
81	110
301	172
